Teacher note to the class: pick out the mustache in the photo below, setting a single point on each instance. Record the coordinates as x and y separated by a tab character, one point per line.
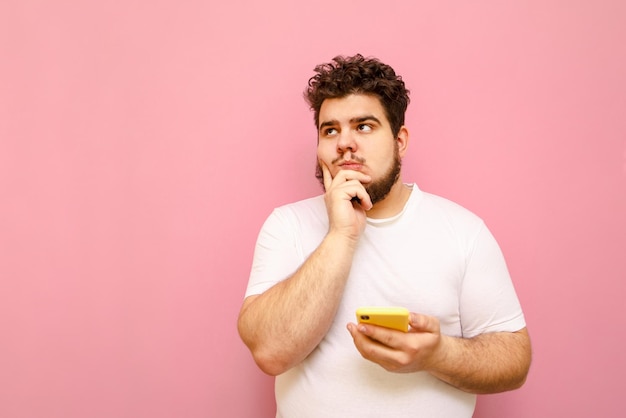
355	158
318	168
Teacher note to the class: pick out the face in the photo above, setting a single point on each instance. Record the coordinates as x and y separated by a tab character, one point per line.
354	134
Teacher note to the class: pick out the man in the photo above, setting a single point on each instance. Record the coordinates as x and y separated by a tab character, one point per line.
372	240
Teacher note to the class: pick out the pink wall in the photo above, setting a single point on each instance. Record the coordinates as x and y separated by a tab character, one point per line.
142	144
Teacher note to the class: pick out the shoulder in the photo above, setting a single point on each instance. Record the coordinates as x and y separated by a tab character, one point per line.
448	207
435	205
313	206
303	212
446	218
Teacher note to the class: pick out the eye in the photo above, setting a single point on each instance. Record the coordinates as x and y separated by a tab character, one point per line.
329	131
364	128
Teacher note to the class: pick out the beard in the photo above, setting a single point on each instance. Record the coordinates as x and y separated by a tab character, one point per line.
379	188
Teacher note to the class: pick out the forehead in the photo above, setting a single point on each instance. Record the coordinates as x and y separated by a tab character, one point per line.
344	109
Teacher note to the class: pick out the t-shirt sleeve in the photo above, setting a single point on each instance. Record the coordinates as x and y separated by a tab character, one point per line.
276	255
488	299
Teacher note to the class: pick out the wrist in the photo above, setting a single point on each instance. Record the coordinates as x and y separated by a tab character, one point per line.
339	239
441	355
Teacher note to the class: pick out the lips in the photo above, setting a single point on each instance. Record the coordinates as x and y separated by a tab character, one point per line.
351	165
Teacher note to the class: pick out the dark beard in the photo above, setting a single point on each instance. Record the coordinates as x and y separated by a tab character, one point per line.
380	188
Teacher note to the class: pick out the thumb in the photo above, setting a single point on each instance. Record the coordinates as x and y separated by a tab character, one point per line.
423	323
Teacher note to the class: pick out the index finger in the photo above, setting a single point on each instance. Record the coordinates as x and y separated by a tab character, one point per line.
328	179
383	338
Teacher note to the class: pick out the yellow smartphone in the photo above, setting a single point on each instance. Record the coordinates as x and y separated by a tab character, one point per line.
386	316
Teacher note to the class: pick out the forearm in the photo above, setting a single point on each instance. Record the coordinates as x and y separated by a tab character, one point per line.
488	363
283	325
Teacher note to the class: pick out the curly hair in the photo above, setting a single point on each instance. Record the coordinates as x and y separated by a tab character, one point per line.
359	75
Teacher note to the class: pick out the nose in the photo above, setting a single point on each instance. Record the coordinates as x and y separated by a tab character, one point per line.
346	142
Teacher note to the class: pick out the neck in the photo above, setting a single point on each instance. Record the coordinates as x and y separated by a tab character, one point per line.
393	203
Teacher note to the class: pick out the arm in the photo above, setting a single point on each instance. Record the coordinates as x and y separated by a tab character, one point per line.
283	325
488	363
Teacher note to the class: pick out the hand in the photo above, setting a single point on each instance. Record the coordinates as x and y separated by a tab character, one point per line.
401	352
346	215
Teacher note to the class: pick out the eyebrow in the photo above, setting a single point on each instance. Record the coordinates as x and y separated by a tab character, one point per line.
359	119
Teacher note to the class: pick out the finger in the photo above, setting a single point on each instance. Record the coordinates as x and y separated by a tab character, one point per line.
355	191
372	349
328	178
385	336
423	323
348	175
362	342
363	198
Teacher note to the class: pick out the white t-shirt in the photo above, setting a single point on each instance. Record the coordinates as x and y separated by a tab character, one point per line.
435	258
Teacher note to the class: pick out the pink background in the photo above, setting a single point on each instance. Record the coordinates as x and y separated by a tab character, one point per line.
143	143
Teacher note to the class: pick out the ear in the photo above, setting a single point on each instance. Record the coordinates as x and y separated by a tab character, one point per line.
403	141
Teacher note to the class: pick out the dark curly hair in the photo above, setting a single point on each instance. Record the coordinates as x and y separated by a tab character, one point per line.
359	75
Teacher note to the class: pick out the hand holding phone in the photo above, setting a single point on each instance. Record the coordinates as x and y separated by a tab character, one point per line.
389	317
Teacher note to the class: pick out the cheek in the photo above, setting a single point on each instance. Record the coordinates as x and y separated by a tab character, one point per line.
324	153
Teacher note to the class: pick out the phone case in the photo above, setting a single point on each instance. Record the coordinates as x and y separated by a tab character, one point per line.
389	317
